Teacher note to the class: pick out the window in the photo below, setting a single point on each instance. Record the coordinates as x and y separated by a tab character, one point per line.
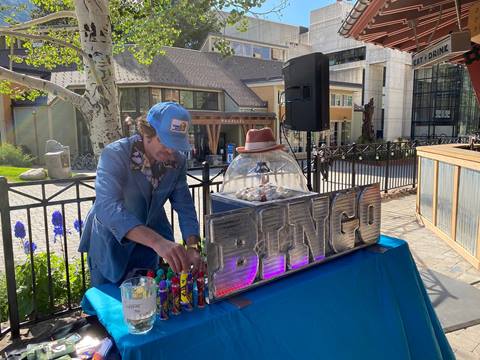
242	49
443	99
171	95
338	100
277	54
347	56
332	99
186	99
143	100
128	101
261	52
206	100
347	100
156	95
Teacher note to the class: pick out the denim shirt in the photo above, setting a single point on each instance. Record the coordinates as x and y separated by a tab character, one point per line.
125	198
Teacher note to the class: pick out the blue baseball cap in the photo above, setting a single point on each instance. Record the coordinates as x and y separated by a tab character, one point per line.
171	122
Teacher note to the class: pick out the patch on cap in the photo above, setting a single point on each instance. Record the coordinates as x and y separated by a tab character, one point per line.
179	126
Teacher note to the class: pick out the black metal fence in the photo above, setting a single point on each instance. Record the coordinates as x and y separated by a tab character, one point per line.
51	280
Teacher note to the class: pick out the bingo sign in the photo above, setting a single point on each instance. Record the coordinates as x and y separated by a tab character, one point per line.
250	246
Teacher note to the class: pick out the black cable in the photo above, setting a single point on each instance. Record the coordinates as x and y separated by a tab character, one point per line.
288	142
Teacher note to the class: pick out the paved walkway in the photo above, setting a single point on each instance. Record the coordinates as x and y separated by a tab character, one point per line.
429	251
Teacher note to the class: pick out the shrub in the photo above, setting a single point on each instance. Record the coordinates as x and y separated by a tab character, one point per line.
14	156
25	296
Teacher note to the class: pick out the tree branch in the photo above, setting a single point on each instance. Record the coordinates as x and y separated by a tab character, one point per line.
19	34
44	19
32	82
86	57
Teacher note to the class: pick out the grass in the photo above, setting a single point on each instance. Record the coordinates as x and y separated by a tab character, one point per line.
12	173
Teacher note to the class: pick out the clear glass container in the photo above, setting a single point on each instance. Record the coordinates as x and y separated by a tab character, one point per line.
139	302
264	176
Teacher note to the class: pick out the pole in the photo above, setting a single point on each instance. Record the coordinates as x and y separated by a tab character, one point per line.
9	259
205	191
309	160
34	114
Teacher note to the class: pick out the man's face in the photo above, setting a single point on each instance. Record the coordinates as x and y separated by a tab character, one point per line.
157	151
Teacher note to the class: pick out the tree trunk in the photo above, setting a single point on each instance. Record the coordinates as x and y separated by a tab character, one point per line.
103	114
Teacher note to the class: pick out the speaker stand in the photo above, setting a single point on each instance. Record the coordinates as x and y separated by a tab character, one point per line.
309	160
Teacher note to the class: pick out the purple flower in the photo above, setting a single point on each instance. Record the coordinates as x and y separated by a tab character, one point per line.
57	219
58	233
19	230
78	225
27	247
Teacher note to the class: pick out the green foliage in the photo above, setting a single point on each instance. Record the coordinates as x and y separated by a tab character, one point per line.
141	27
12	173
3	298
195	24
39	304
12	155
19	93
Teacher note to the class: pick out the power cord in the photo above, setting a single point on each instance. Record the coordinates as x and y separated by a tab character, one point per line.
288	142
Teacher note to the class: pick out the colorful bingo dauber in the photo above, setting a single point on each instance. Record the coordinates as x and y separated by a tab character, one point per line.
190	289
163	300
201	290
175	290
184	292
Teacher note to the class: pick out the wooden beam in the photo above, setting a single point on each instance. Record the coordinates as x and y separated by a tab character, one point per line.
370	12
210	137
405	34
402	27
472	259
435	193
456	181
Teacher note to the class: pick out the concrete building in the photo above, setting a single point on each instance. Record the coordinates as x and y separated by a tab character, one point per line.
386	74
264	39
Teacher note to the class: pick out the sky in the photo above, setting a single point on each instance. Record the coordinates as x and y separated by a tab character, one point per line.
297	12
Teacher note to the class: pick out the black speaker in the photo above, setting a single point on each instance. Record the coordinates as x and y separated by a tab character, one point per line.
307	93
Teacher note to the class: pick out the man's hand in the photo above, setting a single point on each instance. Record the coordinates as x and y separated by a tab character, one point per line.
174	254
194	258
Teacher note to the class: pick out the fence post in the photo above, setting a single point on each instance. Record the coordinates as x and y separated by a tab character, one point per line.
414	163
316	174
9	259
387	166
206	187
354	161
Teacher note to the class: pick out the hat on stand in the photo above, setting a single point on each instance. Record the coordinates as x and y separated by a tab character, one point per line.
259	140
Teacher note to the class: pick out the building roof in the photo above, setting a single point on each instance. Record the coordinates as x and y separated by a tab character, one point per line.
188	68
405	25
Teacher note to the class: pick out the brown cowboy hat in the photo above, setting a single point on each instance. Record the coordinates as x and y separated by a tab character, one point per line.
259	140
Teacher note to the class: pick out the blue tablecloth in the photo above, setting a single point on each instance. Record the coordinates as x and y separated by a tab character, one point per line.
366	305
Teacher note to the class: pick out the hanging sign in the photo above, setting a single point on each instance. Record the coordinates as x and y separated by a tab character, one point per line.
443	50
251	246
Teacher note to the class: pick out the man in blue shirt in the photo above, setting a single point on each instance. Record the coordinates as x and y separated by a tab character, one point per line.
127	227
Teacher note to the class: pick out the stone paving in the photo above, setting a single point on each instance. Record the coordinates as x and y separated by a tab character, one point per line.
429	251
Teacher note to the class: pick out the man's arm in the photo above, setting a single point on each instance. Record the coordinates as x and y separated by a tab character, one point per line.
111	212
174	254
182	203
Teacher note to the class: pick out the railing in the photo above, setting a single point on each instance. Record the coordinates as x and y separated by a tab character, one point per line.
392	164
50	281
45	276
